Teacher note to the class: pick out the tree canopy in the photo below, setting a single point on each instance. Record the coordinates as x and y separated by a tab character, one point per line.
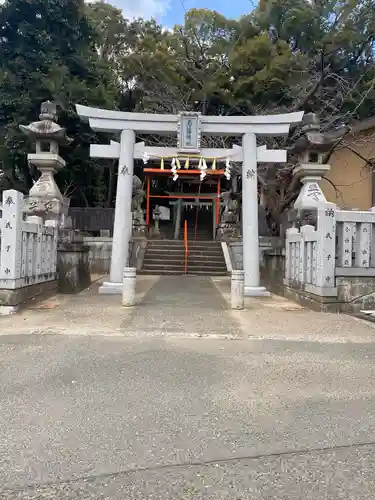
48	52
285	55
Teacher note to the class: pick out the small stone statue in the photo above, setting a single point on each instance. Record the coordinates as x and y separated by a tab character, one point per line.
156	216
230	216
138	197
139	225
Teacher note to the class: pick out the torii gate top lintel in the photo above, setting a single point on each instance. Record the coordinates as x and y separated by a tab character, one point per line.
103	120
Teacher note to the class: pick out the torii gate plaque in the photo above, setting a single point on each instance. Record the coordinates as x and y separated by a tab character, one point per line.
127	124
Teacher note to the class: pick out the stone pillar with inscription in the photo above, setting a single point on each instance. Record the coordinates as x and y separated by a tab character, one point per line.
326	249
122	230
250	229
45	199
11	239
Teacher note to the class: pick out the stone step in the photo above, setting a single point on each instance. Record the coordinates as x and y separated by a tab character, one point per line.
163	272
199	266
192	239
175	253
180	244
191	236
181	256
152	262
205	257
181	272
169	265
192	231
199	231
160	269
207	272
200	237
167	240
206	261
180	260
192	266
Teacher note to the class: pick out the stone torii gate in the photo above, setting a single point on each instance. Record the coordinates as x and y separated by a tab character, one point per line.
189	128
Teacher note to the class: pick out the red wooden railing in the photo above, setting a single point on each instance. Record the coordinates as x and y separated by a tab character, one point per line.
186	246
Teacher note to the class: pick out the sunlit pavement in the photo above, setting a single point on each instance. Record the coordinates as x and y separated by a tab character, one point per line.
168	411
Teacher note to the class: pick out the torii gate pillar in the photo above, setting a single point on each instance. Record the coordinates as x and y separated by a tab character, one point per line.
122	228
250	231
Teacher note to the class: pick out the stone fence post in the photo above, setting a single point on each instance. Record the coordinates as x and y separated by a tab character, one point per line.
128	286
11	238
237	289
326	257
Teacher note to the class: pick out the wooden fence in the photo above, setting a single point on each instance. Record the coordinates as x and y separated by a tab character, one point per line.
92	219
28	248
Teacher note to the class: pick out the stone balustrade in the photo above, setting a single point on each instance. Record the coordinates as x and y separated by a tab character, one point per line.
28	246
341	245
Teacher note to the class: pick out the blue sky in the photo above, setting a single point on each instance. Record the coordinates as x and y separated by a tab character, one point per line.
171	12
175	13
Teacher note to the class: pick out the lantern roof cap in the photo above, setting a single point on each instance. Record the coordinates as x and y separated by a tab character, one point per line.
47	127
312	139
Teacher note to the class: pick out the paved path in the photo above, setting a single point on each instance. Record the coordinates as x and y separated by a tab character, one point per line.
182	305
117	418
181	398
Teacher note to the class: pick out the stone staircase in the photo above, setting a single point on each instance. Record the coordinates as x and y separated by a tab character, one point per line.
168	257
199	235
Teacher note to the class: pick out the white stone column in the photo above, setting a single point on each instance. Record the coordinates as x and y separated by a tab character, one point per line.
123	215
11	240
326	251
250	235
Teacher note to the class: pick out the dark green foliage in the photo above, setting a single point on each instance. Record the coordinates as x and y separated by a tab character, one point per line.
47	52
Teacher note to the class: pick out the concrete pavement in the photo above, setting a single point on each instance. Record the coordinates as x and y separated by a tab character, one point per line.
192	402
184	306
129	418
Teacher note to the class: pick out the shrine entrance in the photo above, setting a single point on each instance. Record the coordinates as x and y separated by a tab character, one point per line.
190	128
189	198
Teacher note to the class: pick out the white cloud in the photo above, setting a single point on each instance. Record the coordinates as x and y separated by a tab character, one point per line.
142	8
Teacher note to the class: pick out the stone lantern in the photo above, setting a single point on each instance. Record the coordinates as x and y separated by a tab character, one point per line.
45	198
311	148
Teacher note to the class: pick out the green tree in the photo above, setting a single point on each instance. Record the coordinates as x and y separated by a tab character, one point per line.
334	42
284	56
48	53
